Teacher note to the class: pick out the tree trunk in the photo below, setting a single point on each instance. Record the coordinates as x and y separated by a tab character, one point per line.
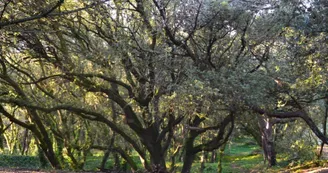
324	125
189	154
191	150
157	159
41	133
221	153
25	143
104	160
267	140
203	161
116	160
42	158
50	155
59	150
127	159
213	156
187	162
173	158
2	131
112	140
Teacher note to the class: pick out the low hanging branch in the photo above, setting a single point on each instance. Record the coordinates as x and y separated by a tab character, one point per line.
296	114
221	138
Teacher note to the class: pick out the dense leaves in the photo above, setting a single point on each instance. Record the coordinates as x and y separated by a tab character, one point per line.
167	80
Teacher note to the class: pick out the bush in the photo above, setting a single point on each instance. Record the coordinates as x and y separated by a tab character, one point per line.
9	161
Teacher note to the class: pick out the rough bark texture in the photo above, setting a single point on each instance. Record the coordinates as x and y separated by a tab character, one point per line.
265	126
324	130
221	153
221	138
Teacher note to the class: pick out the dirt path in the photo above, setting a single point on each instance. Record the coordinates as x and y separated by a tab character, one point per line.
310	170
316	170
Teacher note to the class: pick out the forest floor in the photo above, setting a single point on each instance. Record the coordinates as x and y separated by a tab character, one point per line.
239	157
18	170
246	157
236	170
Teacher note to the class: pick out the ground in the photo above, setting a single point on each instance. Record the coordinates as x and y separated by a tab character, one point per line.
239	157
237	170
8	170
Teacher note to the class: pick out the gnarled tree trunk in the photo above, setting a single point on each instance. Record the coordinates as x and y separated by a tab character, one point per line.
265	126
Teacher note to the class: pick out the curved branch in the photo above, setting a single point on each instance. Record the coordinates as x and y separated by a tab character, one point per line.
42	15
4	68
220	139
87	114
36	83
42	79
108	79
4	8
13	119
296	114
49	13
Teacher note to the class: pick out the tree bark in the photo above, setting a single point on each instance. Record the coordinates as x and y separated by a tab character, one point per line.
221	153
112	140
213	156
157	157
265	126
25	143
40	134
203	161
213	144
45	142
324	129
187	162
173	158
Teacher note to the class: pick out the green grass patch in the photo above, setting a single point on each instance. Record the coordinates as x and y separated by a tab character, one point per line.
93	163
240	156
25	162
240	149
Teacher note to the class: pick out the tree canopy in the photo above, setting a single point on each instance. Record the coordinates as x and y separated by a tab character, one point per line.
161	78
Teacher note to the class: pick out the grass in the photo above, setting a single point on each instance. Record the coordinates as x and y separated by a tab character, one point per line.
93	162
239	156
24	162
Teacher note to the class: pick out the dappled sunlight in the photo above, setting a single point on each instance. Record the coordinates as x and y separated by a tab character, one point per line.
163	86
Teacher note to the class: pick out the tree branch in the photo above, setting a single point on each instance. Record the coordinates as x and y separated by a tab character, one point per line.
49	13
108	79
13	119
296	114
42	15
216	142
4	8
95	116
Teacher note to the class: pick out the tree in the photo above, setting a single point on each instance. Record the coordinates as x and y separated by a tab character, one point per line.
154	72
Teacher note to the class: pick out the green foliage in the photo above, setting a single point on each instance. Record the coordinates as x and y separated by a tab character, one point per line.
123	73
24	162
93	162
